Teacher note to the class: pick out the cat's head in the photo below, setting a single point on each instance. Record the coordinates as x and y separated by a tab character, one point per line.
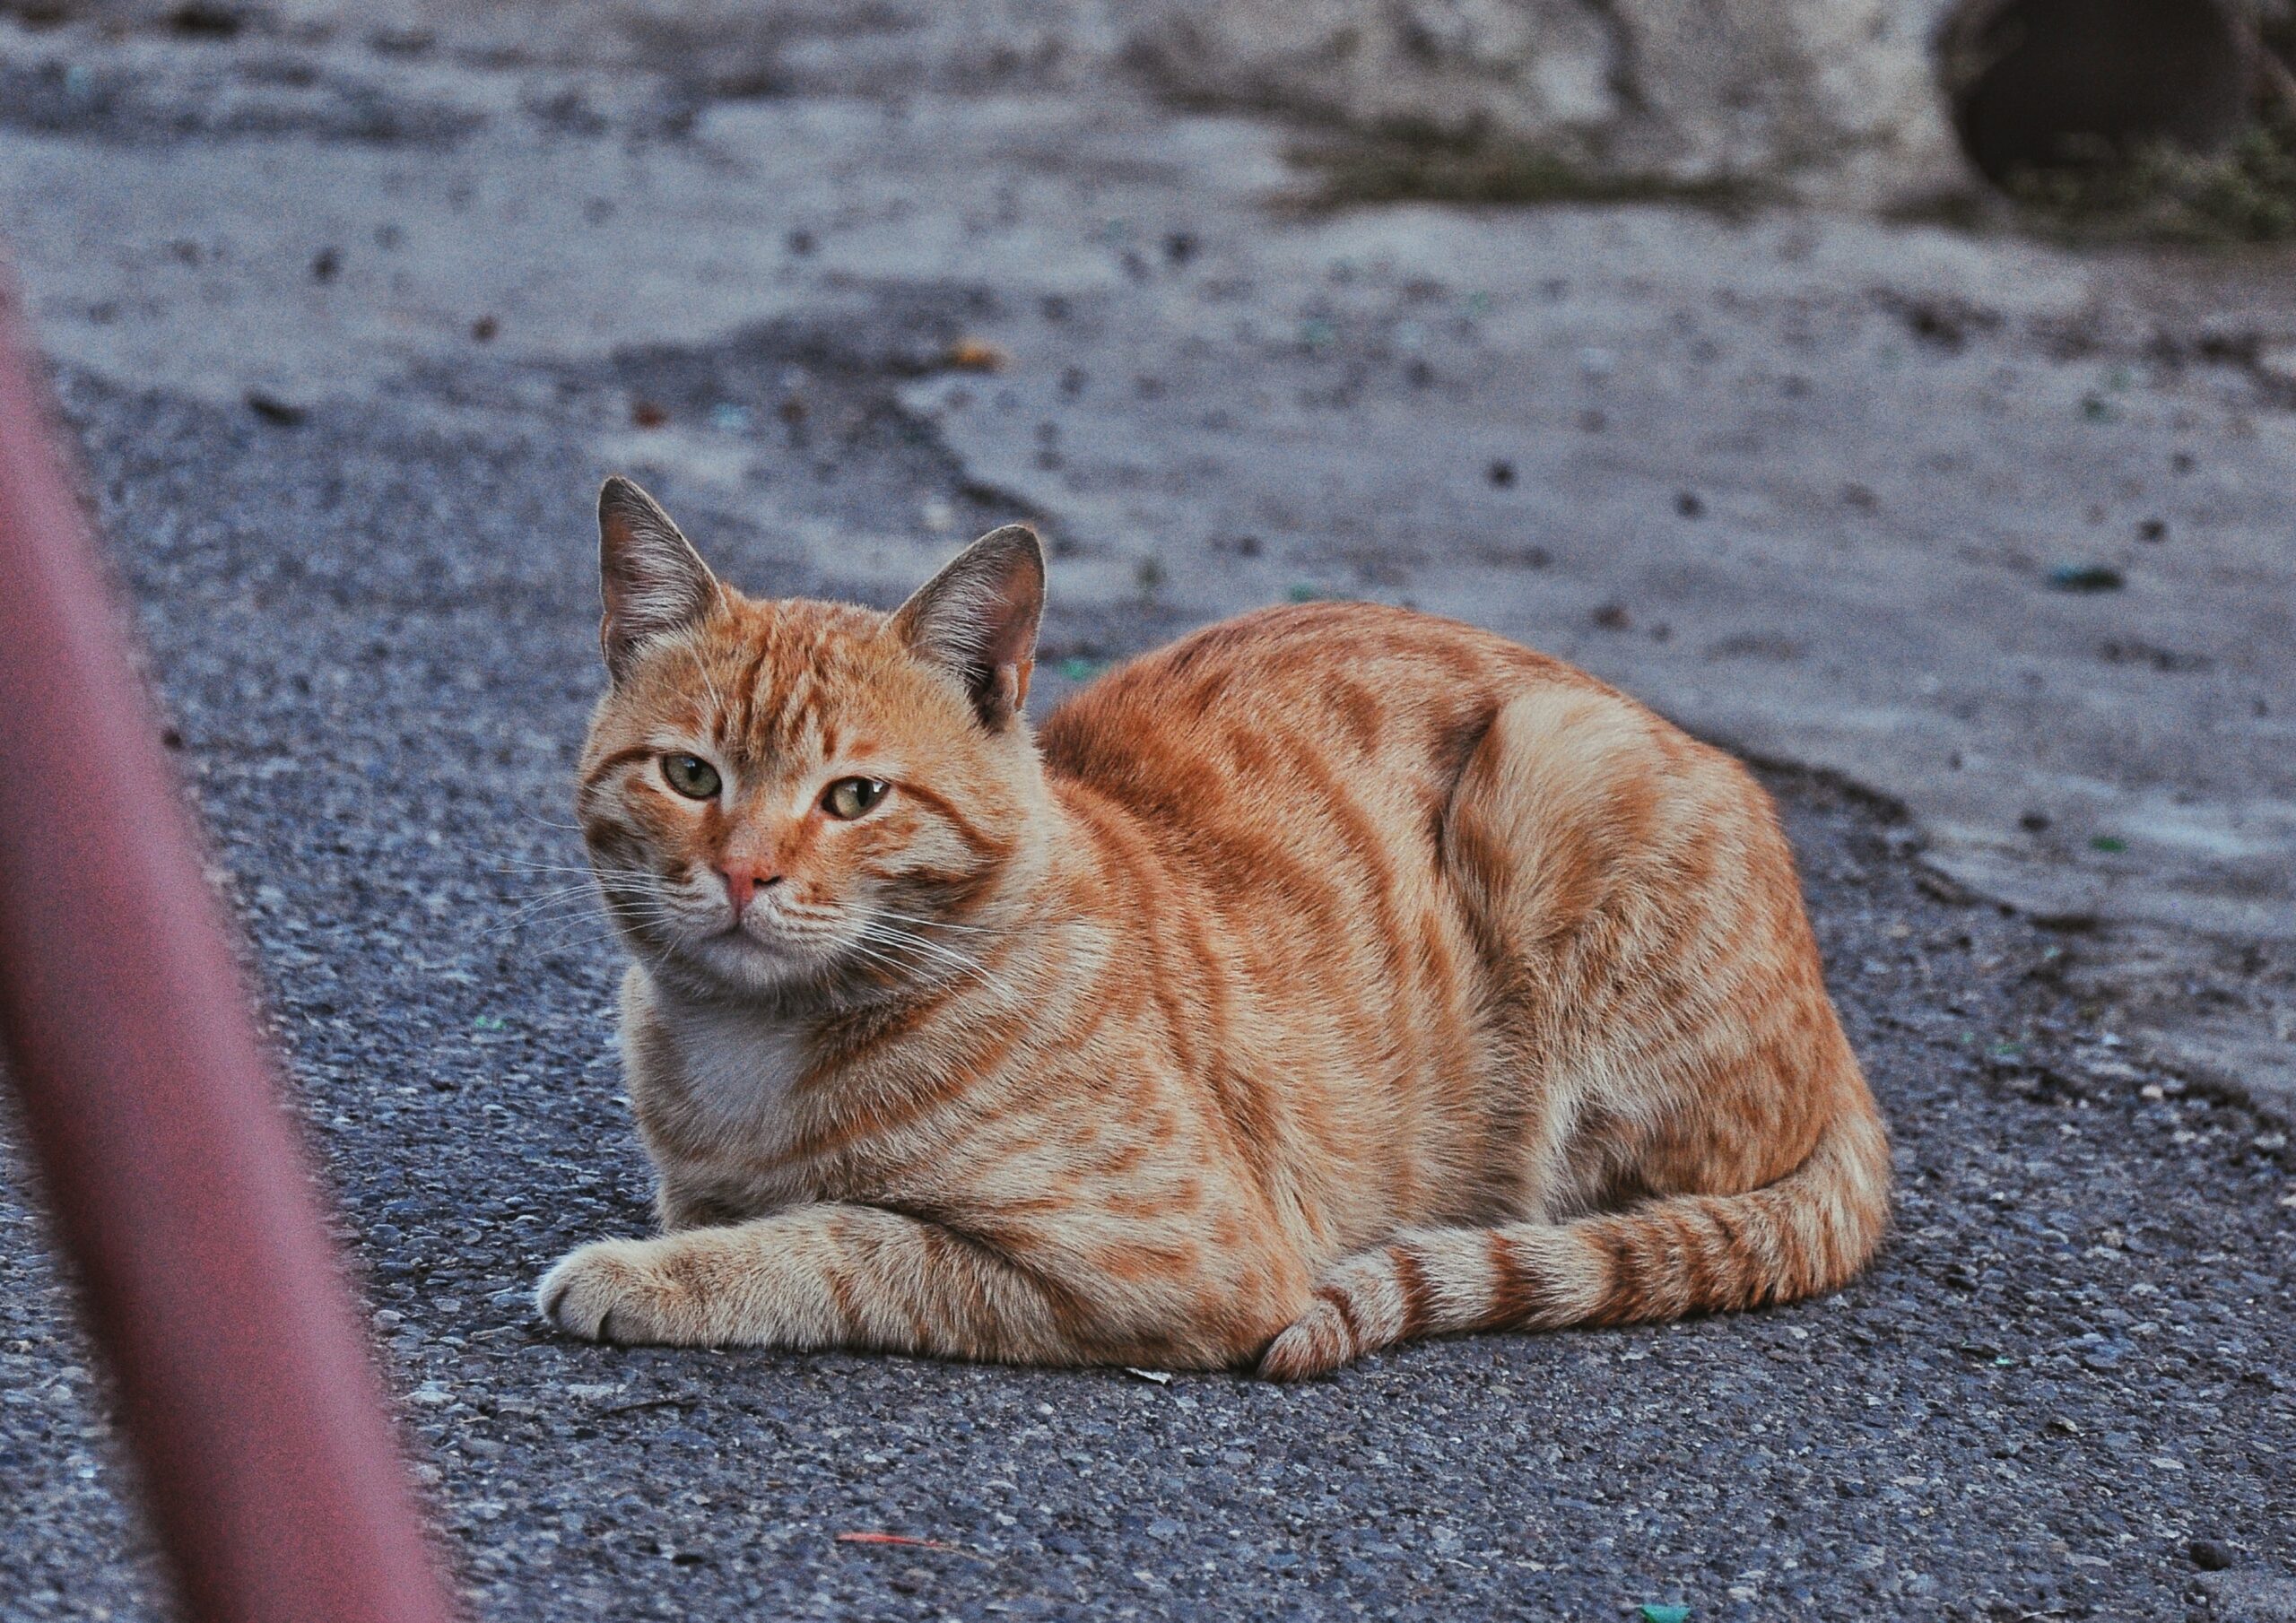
790	798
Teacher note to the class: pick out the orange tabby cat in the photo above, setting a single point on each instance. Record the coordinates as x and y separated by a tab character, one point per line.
1334	977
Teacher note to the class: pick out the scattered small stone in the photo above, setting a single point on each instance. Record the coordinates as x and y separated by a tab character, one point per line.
1613	617
272	408
2086	578
1860	497
2182	462
1418	373
976	355
1502	474
2152	529
325	265
485	329
206	22
2210	1555
2034	822
1179	248
1688	504
801	243
647	413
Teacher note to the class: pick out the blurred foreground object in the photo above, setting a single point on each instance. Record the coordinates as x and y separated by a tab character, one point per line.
178	1188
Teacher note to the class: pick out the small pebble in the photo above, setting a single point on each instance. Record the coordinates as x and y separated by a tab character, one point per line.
272	408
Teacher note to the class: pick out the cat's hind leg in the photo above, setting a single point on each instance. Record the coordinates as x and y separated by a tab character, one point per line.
1655	975
1802	1235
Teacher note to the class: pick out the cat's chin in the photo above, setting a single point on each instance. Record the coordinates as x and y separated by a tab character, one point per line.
737	962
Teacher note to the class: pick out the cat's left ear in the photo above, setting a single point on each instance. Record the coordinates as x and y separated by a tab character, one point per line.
977	620
651	577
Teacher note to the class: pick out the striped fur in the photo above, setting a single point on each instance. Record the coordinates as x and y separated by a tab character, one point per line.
1335	977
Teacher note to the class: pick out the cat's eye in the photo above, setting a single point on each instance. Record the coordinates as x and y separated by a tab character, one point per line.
691	775
849	797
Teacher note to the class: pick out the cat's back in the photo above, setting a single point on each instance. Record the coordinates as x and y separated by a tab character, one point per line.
1323	700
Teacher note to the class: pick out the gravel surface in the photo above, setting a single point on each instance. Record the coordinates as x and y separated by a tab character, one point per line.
2062	1392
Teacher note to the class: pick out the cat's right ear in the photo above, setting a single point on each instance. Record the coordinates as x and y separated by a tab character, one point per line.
652	579
977	620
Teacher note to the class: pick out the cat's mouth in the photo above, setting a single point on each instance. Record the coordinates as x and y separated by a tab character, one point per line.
765	937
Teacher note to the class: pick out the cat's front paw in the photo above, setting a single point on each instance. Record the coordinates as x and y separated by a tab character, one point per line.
612	1290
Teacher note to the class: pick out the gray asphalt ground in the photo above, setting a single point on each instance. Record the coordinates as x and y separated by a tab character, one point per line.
2062	1392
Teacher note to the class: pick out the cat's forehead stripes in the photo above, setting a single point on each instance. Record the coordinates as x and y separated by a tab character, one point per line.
796	668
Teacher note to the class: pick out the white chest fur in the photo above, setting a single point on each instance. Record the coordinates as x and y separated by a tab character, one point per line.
732	1067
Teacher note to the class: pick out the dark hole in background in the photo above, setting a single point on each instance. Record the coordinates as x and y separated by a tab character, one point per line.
2043	86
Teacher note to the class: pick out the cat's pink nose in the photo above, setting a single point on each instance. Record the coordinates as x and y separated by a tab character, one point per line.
742	884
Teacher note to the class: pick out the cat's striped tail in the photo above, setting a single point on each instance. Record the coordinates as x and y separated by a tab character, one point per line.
1802	1235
